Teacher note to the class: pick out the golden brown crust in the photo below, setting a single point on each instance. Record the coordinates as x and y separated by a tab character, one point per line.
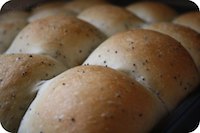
67	39
190	19
156	60
19	78
189	39
110	19
152	12
92	99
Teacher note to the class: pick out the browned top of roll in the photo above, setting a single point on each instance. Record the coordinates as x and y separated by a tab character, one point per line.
67	39
110	19
152	11
191	19
157	61
92	99
188	38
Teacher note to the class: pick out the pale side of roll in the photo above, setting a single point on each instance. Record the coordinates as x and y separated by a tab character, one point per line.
78	6
189	38
67	39
92	99
8	32
157	61
110	19
189	19
152	12
20	77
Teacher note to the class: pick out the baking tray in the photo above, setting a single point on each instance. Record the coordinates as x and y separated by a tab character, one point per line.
185	118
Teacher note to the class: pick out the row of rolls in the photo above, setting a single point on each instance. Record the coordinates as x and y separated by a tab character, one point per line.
94	67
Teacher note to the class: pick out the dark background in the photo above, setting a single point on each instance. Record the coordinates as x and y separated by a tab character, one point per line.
179	5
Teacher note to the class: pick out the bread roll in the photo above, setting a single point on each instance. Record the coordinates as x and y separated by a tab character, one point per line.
92	99
49	9
10	24
66	39
110	19
20	78
48	5
189	39
14	16
78	6
152	12
49	12
155	60
8	32
190	19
